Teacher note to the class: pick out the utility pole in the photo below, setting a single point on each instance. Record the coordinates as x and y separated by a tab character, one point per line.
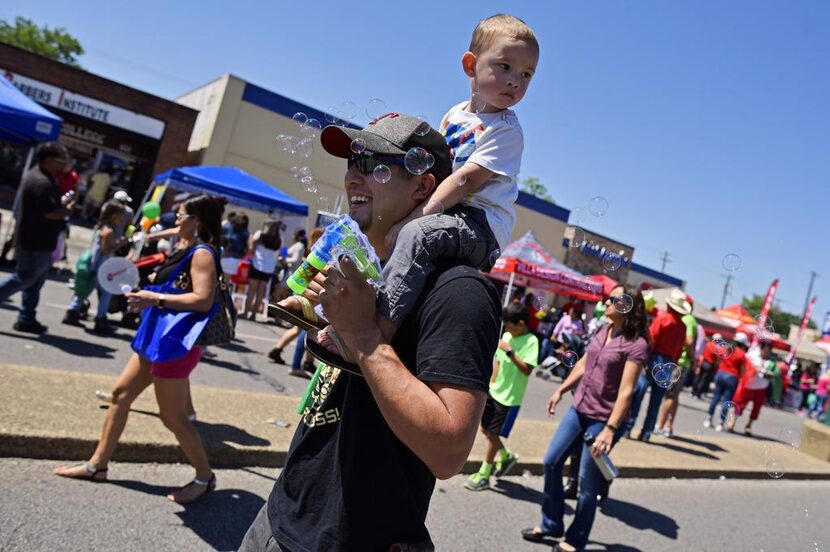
813	275
665	259
726	289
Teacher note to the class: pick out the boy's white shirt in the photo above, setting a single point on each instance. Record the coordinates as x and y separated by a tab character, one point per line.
494	141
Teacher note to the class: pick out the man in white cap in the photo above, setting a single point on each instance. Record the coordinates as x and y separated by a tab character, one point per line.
668	337
729	373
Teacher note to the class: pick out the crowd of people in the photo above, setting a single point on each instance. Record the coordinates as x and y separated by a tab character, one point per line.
411	371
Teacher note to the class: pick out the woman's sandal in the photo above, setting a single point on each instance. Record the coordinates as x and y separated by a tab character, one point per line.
306	319
343	361
91	473
208	485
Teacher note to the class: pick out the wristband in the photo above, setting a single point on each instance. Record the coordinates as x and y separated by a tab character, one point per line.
161	298
510	353
611	427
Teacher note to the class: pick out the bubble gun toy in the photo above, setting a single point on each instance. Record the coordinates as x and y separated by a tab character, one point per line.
342	237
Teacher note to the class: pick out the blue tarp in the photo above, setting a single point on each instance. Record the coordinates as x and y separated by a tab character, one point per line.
239	187
23	120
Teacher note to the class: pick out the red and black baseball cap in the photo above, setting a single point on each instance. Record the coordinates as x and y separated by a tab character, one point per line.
392	134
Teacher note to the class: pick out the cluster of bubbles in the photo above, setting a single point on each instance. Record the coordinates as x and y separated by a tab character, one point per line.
723	349
765	328
623	303
418	160
569	358
597	207
305	175
666	374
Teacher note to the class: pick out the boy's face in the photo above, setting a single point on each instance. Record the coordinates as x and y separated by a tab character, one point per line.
516	328
503	72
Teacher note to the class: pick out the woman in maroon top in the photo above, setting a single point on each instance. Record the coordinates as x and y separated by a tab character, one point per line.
605	376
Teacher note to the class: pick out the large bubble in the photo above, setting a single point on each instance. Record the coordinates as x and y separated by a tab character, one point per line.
418	161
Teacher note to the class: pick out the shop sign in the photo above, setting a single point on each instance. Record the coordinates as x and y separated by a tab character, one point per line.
84	106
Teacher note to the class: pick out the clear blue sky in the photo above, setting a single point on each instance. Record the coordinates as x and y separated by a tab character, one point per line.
706	125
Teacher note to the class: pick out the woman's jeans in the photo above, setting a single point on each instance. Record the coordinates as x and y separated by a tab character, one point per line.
569	436
299	351
645	382
818	406
725	385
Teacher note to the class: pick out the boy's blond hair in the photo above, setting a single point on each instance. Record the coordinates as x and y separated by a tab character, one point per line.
498	25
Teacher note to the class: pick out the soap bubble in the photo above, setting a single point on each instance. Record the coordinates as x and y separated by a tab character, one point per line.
775	468
333	115
300	118
309	183
611	261
423	128
675	372
578	238
286	142
539	302
791	437
766	331
494	256
598	206
477	102
723	349
323	203
375	108
305	147
766	449
661	375
348	110
311	128
729	411
569	358
358	145
731	262
295	171
418	161
382	174
623	303
305	170
579	215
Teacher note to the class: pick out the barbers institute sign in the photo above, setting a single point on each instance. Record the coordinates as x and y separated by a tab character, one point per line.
84	106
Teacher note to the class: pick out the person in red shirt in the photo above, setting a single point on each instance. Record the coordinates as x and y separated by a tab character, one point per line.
729	373
707	367
668	336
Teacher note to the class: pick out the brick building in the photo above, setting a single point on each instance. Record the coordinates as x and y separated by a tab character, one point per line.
106	125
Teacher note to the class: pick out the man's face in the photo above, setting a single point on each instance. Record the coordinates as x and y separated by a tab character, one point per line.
376	206
54	165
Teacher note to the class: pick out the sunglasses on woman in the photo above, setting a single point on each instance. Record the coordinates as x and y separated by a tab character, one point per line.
368	161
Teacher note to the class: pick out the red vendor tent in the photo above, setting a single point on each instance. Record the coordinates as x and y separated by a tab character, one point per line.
526	263
735	315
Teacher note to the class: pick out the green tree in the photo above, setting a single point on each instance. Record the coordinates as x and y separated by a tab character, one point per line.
55	43
534	187
781	320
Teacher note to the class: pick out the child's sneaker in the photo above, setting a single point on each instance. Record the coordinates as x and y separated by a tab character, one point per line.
477	482
719	427
505	464
707	422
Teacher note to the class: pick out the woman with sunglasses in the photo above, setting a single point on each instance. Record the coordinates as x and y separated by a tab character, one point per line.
604	379
199	222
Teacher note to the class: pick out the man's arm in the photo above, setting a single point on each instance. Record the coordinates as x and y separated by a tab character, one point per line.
436	420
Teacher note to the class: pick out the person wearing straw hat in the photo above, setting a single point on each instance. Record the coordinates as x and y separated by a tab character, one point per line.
668	336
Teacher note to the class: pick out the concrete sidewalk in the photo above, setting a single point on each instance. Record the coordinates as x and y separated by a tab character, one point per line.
54	414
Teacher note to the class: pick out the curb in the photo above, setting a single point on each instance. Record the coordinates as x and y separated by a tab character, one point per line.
225	456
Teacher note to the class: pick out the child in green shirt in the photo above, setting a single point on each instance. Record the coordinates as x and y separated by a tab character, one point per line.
515	359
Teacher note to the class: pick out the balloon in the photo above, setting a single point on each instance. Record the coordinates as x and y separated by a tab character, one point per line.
151	210
117	275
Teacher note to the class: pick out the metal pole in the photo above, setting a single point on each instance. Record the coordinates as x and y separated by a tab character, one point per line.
726	290
509	289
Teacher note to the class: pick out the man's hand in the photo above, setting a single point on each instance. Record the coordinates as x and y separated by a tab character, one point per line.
349	303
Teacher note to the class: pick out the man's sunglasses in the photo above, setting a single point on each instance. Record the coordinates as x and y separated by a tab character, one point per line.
367	162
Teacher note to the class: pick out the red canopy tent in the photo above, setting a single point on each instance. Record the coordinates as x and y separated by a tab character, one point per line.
735	315
824	344
775	339
607	283
526	263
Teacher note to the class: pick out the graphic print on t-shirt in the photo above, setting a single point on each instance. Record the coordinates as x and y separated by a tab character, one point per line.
461	139
313	415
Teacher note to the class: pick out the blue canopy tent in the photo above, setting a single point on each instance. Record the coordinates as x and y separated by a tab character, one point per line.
239	187
23	120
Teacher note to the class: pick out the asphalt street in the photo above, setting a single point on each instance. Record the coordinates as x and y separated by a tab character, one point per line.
243	365
130	513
